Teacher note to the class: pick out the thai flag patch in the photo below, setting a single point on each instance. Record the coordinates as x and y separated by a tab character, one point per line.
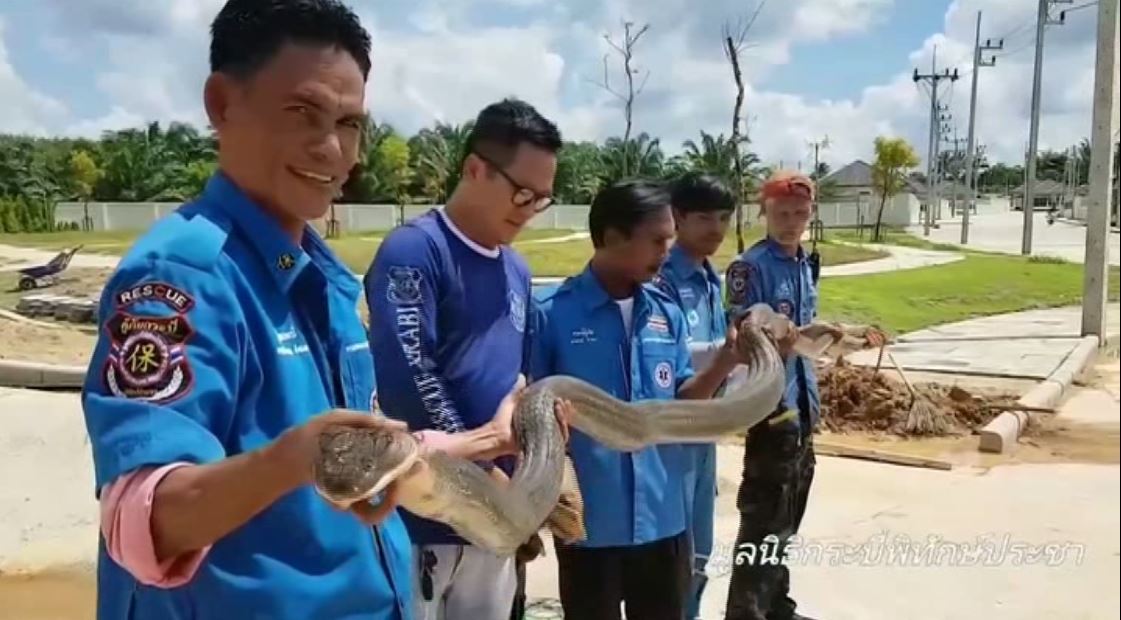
658	324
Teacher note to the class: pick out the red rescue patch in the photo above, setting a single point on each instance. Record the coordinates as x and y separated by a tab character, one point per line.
156	291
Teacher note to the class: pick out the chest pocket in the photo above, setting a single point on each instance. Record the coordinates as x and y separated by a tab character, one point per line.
357	367
659	368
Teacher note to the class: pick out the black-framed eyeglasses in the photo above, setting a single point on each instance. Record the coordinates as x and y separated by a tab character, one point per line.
523	196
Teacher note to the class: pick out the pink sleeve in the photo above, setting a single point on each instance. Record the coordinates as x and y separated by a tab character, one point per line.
126	517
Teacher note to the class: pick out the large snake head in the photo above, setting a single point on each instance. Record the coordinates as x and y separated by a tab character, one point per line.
355	464
844	339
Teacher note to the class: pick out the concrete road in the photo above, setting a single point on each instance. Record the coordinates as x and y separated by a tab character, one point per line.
49	521
1003	232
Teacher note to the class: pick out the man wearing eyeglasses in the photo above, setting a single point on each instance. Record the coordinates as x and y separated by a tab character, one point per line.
448	301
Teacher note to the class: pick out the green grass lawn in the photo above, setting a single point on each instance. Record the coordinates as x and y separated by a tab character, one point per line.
356	250
893	237
979	285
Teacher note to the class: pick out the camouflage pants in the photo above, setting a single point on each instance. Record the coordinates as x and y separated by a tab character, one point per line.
778	469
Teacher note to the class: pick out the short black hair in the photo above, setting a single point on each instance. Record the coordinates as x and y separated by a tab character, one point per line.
699	192
502	126
624	205
247	33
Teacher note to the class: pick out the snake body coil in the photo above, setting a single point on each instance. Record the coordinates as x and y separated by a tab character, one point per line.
356	464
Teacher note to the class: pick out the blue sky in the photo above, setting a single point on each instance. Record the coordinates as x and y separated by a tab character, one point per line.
815	67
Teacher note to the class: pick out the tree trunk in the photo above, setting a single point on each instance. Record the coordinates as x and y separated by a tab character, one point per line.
879	217
737	163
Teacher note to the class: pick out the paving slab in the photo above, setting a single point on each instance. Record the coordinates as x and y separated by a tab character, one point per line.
1031	344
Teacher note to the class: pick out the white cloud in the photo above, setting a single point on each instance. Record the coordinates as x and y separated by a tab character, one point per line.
25	109
447	59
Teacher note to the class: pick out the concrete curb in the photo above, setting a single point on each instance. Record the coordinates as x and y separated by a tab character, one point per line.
21	374
1002	433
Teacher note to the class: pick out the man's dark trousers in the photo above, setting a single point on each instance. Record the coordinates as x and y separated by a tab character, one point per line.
778	469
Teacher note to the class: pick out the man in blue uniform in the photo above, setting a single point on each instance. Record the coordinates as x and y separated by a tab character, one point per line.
612	328
779	460
448	302
702	209
226	330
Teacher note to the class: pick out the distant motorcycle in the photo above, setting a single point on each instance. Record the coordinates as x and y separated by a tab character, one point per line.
1051	216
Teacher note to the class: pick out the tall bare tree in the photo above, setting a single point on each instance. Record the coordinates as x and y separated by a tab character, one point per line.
735	42
625	49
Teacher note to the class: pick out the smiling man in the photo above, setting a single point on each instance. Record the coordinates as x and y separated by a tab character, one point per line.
227	331
448	301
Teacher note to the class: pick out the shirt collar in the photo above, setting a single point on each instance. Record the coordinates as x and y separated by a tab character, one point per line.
467	241
684	266
591	293
776	250
284	259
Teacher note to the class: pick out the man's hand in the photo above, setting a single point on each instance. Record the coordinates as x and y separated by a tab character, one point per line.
296	449
782	331
504	418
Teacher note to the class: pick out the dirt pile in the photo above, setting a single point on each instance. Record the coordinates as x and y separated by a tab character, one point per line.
856	398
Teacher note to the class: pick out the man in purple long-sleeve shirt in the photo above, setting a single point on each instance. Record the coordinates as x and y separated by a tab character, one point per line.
448	302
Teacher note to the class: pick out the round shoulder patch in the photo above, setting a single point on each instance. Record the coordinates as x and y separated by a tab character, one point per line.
663	375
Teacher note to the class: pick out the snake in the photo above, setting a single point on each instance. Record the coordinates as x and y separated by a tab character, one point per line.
358	463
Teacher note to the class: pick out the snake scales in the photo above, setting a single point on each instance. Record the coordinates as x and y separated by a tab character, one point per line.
356	464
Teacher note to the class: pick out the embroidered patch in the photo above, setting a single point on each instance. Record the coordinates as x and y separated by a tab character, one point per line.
404	286
663	375
658	324
156	291
147	357
784	306
582	336
693	318
286	261
737	276
517	311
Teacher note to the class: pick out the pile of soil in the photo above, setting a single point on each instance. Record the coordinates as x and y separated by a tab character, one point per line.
858	399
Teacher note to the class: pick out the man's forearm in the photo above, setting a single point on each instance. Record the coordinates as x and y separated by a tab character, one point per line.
196	506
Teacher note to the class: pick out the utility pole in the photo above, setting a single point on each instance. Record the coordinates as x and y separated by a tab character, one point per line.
970	155
1095	271
1042	21
817	231
944	119
934	77
952	169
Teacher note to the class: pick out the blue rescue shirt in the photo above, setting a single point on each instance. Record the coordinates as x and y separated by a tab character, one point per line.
766	274
629	498
696	289
218	333
447	327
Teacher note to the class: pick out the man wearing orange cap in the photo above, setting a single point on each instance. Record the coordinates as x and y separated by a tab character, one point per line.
779	460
